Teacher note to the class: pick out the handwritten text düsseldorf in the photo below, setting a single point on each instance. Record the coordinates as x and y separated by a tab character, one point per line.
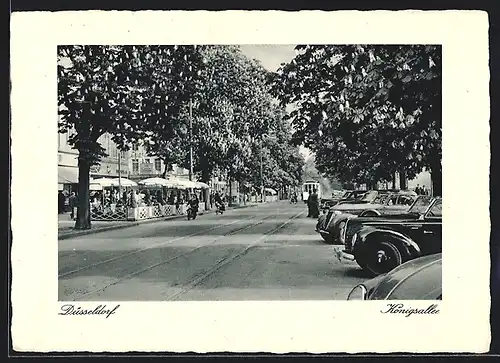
70	309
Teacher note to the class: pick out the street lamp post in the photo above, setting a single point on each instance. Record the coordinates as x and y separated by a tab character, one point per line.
261	174
190	139
119	173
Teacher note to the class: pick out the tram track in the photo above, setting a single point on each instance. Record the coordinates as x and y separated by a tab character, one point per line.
145	249
227	260
168	260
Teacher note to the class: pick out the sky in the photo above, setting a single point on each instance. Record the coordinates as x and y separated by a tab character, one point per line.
271	57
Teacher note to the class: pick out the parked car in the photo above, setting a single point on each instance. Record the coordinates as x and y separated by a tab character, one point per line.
379	244
357	196
384	204
418	279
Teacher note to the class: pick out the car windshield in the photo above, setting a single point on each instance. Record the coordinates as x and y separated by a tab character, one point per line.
381	198
421	204
369	196
436	209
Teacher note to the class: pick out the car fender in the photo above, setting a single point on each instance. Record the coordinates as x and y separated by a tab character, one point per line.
409	247
333	226
334	220
377	212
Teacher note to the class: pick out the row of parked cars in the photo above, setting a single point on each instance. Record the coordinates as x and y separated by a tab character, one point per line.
396	236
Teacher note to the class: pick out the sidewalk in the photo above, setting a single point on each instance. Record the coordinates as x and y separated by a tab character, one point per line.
66	225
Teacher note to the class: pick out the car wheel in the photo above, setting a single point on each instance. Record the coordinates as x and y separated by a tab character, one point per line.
327	238
382	257
361	262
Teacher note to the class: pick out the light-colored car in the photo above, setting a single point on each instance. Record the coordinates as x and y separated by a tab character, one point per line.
418	279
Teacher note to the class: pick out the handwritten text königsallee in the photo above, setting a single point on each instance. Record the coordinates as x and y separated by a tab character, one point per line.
70	309
407	311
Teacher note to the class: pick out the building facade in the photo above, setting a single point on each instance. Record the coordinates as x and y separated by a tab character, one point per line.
142	166
112	166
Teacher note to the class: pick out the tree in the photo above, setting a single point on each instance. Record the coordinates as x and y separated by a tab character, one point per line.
231	107
175	76
377	109
99	91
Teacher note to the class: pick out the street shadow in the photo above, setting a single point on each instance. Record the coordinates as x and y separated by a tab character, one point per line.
208	227
357	272
254	268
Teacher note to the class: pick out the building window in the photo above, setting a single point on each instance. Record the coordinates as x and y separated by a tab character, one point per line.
135	166
158	164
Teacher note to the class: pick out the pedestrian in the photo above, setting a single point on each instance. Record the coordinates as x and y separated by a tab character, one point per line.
134	199
309	204
178	202
418	190
314	204
73	203
424	190
60	202
211	200
194	203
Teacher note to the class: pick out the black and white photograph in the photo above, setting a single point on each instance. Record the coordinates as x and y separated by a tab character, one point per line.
274	188
264	172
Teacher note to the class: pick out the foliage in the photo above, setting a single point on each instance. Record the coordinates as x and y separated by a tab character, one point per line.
174	73
100	91
366	110
143	94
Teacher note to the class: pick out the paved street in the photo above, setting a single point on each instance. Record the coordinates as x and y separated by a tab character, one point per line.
267	252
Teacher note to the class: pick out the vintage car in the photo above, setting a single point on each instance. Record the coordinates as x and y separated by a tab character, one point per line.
357	196
418	279
384	204
379	244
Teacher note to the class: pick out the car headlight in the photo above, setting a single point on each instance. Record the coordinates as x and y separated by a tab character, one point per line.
359	292
354	238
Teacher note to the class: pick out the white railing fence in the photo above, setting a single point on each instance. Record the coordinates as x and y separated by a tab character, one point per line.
114	213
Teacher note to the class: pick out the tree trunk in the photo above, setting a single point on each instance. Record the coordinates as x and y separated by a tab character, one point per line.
166	169
437	181
205	178
230	192
83	211
403	185
393	180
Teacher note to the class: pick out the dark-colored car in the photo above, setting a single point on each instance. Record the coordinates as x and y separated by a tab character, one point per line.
379	244
355	196
372	203
418	279
385	203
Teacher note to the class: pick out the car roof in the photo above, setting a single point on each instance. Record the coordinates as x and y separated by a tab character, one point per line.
418	279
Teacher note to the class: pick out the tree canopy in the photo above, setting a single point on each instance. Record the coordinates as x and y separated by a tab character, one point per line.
366	111
149	94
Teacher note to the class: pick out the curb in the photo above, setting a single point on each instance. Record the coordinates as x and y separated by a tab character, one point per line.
74	233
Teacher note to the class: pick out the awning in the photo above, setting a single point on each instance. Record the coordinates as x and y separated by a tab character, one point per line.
188	184
270	190
104	182
126	182
67	175
203	185
169	183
